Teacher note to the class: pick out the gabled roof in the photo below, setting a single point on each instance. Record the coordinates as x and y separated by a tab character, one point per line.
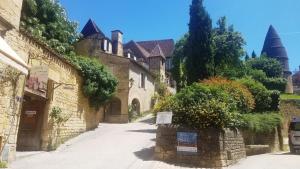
273	46
91	28
167	46
157	52
138	51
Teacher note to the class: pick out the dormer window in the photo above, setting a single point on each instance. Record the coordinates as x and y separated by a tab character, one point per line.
128	55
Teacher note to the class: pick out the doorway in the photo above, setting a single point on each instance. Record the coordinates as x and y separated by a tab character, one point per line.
30	127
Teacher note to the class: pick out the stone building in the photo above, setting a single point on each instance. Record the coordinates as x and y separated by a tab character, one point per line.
136	86
274	48
34	83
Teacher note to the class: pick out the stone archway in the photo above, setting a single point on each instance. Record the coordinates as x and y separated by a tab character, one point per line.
114	107
136	107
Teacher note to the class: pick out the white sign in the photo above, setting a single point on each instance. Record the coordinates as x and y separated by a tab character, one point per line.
187	149
164	118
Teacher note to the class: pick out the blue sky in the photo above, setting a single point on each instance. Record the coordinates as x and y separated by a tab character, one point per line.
160	19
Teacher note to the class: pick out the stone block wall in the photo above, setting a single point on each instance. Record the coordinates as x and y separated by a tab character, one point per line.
10	11
216	149
71	100
271	139
289	108
11	92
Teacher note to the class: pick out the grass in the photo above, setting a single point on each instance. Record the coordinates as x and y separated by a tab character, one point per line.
290	97
262	123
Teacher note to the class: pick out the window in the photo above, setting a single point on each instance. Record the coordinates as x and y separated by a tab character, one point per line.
142	80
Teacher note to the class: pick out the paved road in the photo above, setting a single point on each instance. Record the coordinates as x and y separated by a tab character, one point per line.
270	161
127	146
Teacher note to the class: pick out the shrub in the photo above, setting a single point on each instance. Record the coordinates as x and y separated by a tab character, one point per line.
275	96
201	106
261	94
275	83
261	123
270	66
99	84
240	93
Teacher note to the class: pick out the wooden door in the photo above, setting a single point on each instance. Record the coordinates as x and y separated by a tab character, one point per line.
29	135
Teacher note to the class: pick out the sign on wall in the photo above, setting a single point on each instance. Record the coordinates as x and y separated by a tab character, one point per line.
38	79
164	118
187	142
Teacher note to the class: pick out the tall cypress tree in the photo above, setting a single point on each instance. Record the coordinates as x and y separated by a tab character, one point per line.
199	63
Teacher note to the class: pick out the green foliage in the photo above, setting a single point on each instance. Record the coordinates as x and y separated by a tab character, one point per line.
271	83
57	115
3	164
253	55
199	62
228	47
178	70
290	97
261	94
275	96
239	93
201	106
47	21
262	123
270	66
99	84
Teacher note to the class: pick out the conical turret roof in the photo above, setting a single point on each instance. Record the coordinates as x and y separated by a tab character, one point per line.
273	46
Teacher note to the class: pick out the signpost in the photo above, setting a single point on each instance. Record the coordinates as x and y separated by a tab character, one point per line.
38	80
187	142
164	118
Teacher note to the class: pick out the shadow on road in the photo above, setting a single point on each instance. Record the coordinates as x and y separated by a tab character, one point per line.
146	154
148	120
288	153
143	131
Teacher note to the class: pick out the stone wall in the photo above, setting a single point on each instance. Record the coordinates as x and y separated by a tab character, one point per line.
70	99
10	11
289	108
216	149
125	70
272	139
11	92
143	95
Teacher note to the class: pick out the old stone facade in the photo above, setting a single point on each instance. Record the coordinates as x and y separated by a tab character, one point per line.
26	121
136	86
215	148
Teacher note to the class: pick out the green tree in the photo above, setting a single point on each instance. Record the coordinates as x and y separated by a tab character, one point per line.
247	57
270	66
253	55
178	70
228	46
47	20
199	63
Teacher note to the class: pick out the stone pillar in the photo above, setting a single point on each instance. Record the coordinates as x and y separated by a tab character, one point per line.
117	42
289	86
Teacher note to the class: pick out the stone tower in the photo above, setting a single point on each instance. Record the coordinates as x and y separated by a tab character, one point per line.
274	48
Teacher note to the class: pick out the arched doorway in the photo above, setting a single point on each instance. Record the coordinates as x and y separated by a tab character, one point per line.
136	107
114	107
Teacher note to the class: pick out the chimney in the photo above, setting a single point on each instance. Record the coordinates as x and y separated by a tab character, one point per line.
117	42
